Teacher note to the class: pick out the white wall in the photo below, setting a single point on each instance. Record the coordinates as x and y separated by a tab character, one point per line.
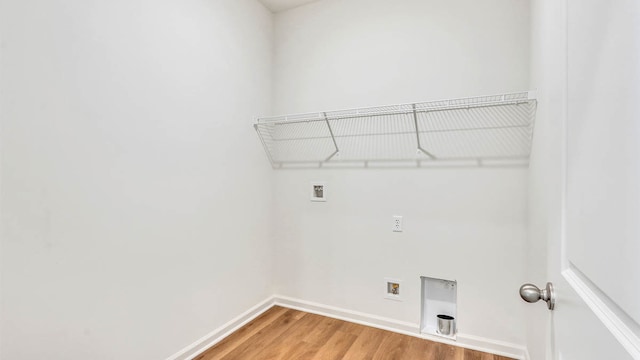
135	195
465	224
136	199
336	54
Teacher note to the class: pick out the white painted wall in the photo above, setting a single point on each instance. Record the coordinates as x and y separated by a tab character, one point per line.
135	195
133	221
464	224
348	53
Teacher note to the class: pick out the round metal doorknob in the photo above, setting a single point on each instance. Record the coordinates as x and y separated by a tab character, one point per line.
531	293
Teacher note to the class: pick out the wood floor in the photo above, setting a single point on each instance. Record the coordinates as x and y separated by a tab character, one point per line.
282	333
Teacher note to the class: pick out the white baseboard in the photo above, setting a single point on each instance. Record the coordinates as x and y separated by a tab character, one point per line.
346	315
222	332
412	329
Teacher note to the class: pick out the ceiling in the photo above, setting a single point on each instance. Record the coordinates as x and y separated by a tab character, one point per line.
283	5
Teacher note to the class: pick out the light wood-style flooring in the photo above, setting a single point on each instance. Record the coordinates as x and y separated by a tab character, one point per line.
282	333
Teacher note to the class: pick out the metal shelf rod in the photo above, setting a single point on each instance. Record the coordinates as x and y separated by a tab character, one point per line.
527	126
439	160
392	112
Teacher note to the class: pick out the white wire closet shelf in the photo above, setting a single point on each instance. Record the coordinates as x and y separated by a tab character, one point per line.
494	130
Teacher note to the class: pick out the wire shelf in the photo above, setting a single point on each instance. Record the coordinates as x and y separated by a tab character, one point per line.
479	131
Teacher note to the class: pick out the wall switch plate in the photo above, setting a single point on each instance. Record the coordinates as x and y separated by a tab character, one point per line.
397	224
318	191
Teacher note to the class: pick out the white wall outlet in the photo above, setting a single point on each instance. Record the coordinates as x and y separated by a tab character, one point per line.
318	191
397	224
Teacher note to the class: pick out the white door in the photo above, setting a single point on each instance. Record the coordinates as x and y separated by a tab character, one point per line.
594	261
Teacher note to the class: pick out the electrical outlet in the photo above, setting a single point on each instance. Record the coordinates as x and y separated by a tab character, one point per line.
397	224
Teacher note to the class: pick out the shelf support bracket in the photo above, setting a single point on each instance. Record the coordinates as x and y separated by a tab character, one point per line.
264	144
415	122
332	138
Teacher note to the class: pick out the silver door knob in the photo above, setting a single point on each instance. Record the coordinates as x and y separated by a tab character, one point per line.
531	293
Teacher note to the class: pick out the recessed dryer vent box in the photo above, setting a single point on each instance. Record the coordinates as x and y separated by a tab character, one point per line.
439	297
